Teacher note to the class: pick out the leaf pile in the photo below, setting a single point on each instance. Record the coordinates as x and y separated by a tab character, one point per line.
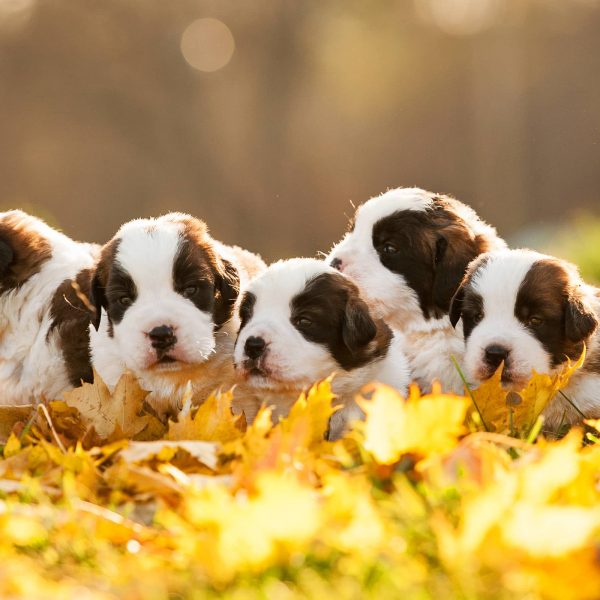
100	499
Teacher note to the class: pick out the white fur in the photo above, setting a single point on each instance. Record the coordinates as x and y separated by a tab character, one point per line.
292	362
498	281
31	363
147	252
430	343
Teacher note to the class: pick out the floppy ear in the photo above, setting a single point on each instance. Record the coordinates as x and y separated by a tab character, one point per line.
227	284
358	328
451	262
456	305
97	299
580	319
6	257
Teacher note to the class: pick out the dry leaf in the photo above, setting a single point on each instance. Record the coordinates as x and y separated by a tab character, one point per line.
10	416
513	412
422	424
115	415
213	421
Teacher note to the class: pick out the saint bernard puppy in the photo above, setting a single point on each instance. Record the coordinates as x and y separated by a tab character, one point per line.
301	320
532	312
407	250
44	341
165	292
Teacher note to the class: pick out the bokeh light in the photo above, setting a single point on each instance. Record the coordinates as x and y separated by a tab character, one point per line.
461	17
207	44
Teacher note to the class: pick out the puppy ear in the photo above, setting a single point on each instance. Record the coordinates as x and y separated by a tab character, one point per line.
358	327
456	305
451	262
227	284
580	319
6	257
97	299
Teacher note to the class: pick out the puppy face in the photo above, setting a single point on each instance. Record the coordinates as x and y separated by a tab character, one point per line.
408	250
522	308
301	321
165	291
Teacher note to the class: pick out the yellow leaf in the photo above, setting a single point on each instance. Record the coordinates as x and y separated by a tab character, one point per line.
515	412
213	421
116	414
12	446
311	412
422	424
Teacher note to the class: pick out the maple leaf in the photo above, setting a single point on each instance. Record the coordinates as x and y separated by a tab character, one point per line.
421	424
10	416
115	415
213	421
311	413
513	412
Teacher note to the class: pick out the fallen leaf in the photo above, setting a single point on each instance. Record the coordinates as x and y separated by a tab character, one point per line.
115	415
515	412
10	416
213	421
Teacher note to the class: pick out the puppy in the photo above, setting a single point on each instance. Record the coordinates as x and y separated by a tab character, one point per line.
531	311
407	250
301	321
43	322
167	292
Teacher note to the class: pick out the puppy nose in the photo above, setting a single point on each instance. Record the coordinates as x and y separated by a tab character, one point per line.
495	354
254	347
336	263
162	337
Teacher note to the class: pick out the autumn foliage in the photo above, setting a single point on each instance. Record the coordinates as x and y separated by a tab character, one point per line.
429	497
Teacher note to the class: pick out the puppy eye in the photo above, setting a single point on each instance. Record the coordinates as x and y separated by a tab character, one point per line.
389	249
477	317
535	321
303	322
190	291
125	300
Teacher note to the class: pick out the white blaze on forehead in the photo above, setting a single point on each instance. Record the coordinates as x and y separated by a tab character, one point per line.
499	280
147	251
390	202
275	287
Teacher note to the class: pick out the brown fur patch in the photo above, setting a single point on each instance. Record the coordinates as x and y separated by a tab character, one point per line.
70	319
551	293
30	250
435	247
340	320
97	291
197	260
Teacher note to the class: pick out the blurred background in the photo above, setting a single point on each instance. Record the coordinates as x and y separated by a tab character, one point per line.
267	118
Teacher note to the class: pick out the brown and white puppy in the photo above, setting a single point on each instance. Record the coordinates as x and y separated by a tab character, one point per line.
532	312
167	292
301	321
43	323
407	250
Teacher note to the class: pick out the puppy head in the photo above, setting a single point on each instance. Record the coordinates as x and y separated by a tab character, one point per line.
301	321
408	250
165	290
24	248
522	308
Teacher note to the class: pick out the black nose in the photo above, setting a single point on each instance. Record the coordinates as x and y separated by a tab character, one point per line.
162	337
495	354
336	263
254	347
